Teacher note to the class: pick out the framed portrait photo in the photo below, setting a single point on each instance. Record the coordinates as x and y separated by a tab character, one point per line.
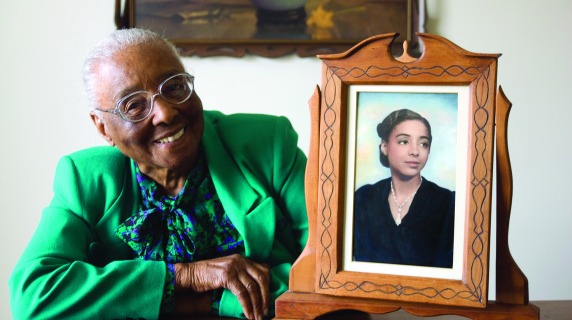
406	226
446	110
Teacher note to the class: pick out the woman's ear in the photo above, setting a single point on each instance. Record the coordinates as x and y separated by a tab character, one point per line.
100	126
383	148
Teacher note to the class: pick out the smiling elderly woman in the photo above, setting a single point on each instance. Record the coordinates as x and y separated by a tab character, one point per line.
187	212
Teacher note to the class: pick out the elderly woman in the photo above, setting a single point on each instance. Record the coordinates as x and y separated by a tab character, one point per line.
187	212
404	219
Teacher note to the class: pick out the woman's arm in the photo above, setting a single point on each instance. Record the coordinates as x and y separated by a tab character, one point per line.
57	276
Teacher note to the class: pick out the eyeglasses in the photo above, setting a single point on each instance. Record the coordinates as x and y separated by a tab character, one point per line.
137	106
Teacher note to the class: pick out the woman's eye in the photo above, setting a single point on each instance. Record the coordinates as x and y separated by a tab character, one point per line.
135	105
402	141
175	90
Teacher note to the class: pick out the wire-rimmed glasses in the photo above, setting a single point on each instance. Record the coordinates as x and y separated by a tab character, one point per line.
137	106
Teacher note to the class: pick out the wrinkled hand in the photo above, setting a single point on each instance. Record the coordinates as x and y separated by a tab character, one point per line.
249	281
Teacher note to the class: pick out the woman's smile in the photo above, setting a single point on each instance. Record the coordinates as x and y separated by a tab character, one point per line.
172	138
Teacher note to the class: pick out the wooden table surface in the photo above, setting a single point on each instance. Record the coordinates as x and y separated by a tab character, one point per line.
549	310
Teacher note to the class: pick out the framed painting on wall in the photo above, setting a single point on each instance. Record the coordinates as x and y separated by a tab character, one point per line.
263	27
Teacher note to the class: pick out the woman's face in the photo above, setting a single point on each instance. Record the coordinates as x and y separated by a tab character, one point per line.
407	149
169	138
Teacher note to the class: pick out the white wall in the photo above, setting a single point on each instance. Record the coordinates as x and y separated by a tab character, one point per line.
534	72
44	114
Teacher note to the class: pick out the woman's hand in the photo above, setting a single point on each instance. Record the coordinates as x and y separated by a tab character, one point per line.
248	280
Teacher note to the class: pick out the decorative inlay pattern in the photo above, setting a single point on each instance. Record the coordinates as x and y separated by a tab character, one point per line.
479	180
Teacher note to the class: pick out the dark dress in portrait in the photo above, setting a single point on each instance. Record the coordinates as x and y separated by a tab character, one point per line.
424	237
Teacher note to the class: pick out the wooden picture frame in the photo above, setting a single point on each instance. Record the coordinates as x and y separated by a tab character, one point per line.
235	27
319	281
442	63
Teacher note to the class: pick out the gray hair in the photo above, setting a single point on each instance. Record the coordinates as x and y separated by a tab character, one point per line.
117	41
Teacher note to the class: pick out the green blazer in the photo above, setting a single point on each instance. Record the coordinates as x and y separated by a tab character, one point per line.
75	267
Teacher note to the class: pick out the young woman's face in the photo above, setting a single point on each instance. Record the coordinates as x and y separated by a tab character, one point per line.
407	149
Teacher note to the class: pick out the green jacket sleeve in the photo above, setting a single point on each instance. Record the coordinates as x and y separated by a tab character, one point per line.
58	275
275	227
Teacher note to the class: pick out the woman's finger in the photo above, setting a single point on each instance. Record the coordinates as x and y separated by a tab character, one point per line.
243	295
254	278
255	293
261	274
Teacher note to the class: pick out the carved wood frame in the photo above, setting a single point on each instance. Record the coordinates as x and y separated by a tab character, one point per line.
442	63
317	284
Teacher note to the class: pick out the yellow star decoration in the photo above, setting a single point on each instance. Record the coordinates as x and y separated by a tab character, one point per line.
320	18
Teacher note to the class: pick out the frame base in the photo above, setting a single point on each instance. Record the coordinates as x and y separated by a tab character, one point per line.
293	305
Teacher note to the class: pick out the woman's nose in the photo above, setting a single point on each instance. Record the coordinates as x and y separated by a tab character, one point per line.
163	111
414	150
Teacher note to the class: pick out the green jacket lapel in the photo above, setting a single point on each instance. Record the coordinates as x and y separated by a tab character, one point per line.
248	205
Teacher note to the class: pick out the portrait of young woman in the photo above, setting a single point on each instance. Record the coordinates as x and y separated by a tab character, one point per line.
404	200
404	219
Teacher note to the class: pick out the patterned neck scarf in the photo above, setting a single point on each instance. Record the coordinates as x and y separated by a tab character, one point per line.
187	227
